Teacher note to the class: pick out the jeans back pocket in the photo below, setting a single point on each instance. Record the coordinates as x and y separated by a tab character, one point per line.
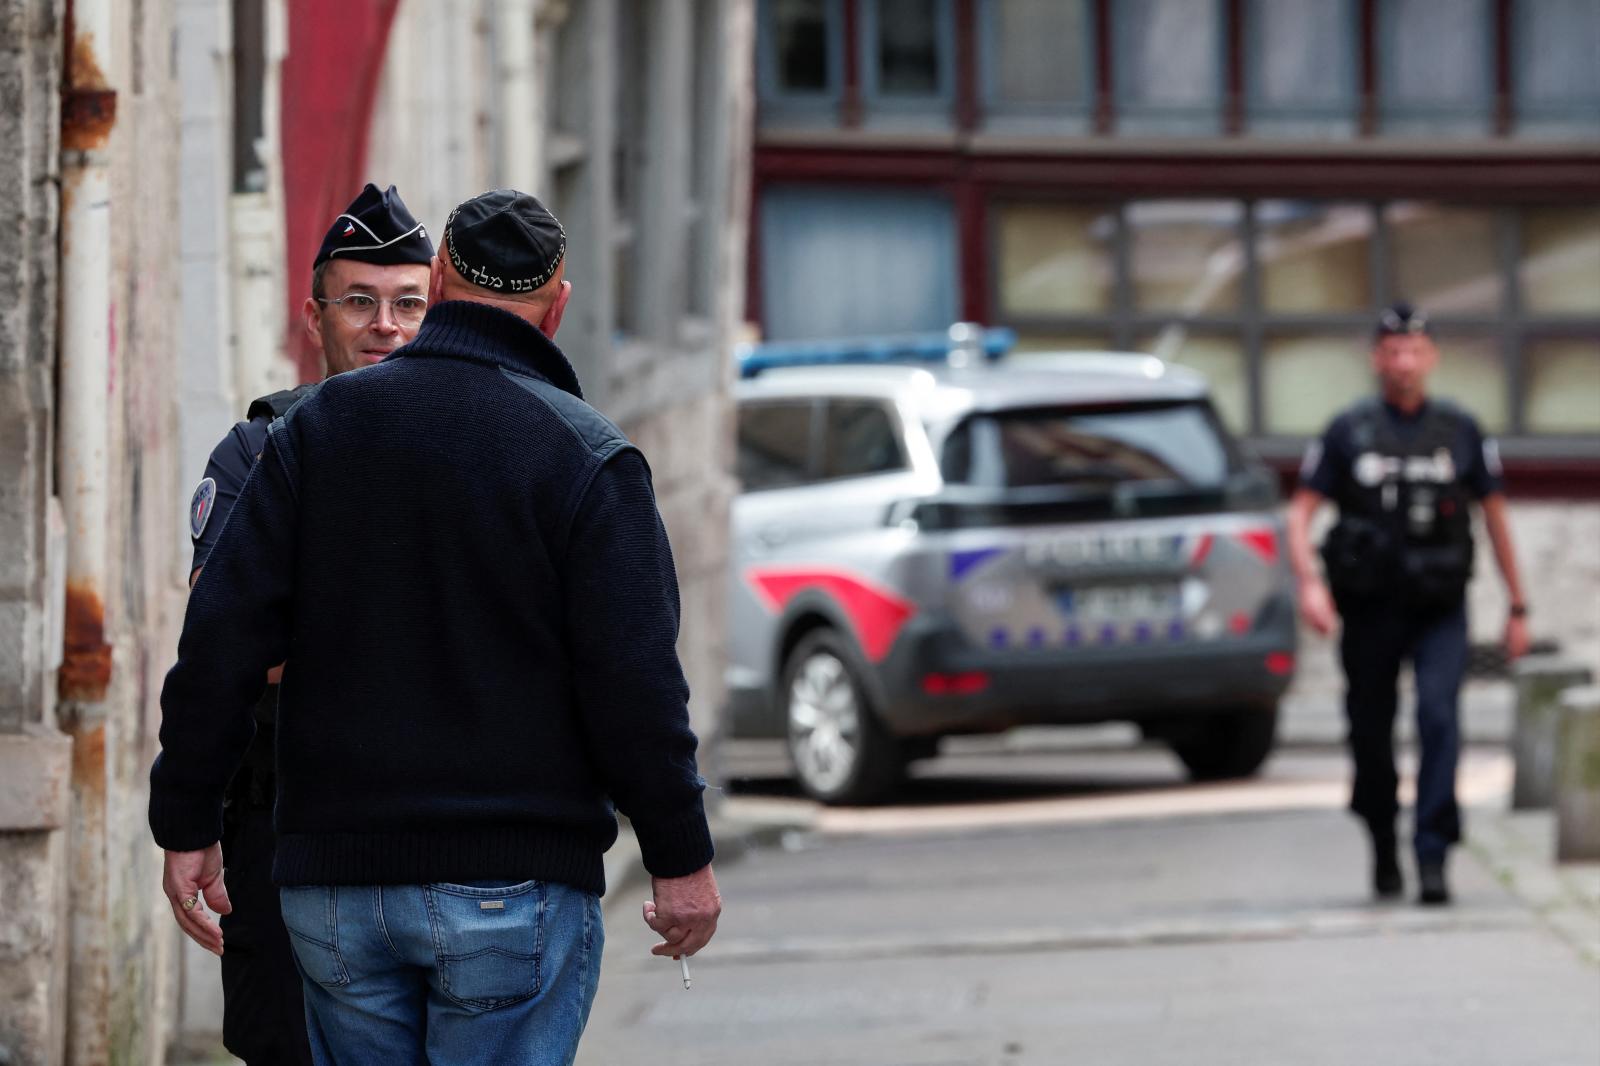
311	914
488	941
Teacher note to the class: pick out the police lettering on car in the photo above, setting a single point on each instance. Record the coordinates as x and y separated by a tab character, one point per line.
369	292
1404	470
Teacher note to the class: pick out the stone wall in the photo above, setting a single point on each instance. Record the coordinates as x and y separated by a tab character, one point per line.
79	877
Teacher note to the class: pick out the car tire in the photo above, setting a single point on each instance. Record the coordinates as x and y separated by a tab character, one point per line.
841	752
1227	745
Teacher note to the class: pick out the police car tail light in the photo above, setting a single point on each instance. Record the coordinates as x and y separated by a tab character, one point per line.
966	684
1264	542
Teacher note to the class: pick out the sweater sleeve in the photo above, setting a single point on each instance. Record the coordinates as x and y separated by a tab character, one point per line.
622	626
236	628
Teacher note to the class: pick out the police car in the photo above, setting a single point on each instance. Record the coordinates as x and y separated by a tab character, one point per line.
935	540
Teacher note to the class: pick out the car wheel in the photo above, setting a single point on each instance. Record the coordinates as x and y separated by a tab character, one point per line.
841	753
1228	744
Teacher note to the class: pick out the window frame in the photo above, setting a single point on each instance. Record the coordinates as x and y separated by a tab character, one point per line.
1582	114
1259	115
1395	120
1063	118
880	105
1153	118
776	100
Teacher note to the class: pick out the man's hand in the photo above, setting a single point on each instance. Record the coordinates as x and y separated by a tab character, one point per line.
684	912
1316	607
197	876
1516	637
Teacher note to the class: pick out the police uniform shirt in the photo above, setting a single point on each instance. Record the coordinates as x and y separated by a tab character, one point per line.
226	470
1332	461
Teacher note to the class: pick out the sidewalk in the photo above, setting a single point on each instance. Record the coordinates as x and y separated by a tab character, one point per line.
1518	847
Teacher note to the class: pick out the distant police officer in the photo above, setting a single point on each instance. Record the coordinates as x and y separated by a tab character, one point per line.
1403	469
369	293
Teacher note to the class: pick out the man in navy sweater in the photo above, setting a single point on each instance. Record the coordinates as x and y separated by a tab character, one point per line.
463	567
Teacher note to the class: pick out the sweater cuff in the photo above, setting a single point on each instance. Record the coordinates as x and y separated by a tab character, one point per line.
678	845
184	821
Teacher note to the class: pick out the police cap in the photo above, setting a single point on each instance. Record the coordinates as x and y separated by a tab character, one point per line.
376	228
1400	319
505	241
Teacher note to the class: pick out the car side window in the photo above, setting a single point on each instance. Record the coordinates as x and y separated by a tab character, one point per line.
861	439
775	444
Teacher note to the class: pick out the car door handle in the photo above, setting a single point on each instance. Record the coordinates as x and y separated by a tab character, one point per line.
772	536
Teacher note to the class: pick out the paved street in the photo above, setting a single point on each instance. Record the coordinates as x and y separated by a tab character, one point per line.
1088	907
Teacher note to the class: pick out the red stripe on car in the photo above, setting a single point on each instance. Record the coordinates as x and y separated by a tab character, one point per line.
876	614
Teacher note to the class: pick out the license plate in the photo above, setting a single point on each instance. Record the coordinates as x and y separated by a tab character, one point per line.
1121	603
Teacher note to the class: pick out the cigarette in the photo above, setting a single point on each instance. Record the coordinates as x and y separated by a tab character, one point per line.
683	964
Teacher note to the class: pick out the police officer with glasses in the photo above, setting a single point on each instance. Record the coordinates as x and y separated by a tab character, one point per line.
369	293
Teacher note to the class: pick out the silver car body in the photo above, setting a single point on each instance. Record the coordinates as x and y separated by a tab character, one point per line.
979	625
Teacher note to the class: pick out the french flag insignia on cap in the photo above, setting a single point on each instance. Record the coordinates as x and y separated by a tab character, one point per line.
349	228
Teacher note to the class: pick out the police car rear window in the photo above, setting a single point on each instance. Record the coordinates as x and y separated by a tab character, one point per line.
1180	443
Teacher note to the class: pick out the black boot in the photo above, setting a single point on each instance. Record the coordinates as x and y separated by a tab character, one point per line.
1386	880
1435	889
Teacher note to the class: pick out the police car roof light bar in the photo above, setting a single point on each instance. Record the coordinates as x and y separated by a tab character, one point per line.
942	347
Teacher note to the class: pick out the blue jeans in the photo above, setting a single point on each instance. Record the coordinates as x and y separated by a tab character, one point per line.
444	974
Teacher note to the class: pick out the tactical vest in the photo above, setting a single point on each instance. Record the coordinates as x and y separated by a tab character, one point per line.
1405	518
277	404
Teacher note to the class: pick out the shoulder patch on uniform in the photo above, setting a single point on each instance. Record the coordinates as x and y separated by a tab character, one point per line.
201	506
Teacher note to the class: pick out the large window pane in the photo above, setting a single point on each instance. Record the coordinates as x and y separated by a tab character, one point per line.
1563	386
909	60
847	262
1471	373
1219	358
1186	255
1307	377
1314	257
1168	66
1038	53
1445	259
1300	66
1560	269
1055	260
1435	66
1557	69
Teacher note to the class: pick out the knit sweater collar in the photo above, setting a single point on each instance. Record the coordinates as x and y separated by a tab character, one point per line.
464	329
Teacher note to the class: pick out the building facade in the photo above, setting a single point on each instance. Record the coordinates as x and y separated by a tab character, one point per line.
1237	185
167	169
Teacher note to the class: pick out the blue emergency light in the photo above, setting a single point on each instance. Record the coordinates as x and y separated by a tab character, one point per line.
888	348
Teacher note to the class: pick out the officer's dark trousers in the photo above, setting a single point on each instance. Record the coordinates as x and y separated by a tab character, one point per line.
263	1013
1376	642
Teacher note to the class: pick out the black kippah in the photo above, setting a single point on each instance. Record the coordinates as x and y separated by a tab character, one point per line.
376	228
505	241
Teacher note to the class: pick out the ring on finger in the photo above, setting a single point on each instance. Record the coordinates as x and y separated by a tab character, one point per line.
191	902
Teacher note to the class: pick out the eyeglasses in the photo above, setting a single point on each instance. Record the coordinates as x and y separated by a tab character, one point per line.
358	309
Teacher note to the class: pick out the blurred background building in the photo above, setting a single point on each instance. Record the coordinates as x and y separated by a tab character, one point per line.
167	170
1237	185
